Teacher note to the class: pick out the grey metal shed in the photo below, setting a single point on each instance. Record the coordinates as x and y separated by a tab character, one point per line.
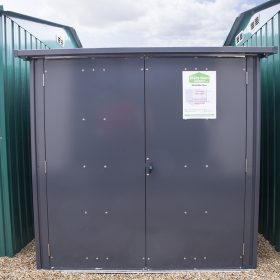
146	158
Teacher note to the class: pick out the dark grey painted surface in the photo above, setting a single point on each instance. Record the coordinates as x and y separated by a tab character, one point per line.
178	51
95	163
37	100
251	210
211	188
120	142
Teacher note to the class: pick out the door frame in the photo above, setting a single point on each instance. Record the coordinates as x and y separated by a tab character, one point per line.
251	176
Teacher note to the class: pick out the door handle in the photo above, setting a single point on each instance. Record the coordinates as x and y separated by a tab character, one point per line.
149	168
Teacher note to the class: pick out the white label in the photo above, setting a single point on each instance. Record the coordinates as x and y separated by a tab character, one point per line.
199	95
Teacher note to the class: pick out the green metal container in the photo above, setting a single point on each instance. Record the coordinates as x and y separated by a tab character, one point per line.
260	27
20	32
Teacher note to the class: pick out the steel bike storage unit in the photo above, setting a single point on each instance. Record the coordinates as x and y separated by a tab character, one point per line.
260	27
145	158
19	31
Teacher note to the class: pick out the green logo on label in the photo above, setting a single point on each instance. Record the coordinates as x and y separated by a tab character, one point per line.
199	78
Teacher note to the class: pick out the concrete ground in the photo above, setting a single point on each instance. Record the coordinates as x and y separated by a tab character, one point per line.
22	266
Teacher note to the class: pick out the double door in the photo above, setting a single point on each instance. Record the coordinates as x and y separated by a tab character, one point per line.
131	184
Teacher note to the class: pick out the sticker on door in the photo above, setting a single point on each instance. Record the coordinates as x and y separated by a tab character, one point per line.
199	94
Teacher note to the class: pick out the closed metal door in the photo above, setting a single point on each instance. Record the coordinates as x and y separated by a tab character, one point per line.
94	125
196	168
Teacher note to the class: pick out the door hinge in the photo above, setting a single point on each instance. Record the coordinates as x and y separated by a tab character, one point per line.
243	249
246	165
247	78
45	167
43	79
49	250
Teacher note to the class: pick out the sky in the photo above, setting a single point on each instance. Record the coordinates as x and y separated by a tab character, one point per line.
140	23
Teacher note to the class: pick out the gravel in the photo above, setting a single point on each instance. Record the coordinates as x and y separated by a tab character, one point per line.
23	266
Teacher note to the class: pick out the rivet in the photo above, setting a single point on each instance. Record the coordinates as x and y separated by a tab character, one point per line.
204	258
84	166
1	137
185	212
83	119
51	257
142	69
194	258
143	258
148	259
185	258
52	267
195	68
206	68
241	257
206	166
83	70
106	212
147	69
104	119
103	69
185	69
147	174
85	212
185	166
240	267
105	166
97	258
205	211
93	69
46	71
147	158
244	69
86	258
107	258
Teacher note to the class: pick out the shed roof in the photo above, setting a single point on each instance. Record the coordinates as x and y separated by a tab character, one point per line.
239	20
70	29
178	51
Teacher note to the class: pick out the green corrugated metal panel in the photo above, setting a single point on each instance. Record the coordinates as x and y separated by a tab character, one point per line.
267	34
16	217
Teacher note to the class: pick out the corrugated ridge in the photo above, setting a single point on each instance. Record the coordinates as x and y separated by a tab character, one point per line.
269	220
18	181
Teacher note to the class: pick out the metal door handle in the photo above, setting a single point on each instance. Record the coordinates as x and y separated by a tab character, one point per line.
149	169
